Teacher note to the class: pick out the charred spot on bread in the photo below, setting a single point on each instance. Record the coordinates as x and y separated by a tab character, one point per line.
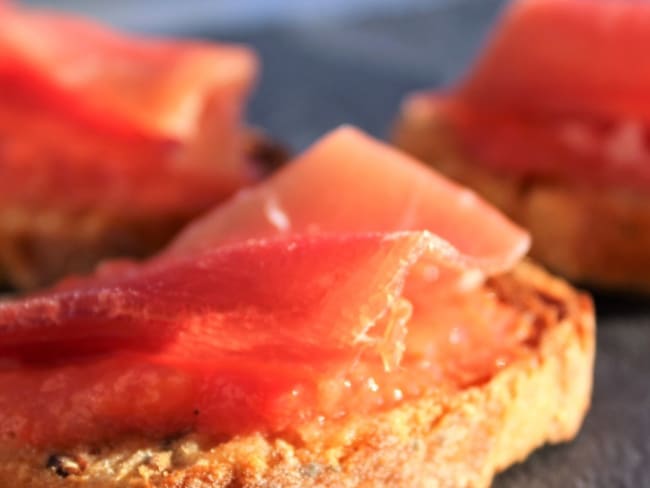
63	465
268	154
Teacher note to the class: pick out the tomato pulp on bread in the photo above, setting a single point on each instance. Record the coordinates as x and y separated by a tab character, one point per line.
561	91
277	308
91	118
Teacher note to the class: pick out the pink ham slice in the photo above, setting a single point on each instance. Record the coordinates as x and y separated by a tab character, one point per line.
349	182
574	57
560	93
95	119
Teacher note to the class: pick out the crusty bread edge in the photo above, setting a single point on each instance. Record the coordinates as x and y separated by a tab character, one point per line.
596	236
39	247
447	440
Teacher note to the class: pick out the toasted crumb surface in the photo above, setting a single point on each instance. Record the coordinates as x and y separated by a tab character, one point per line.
447	439
41	246
596	236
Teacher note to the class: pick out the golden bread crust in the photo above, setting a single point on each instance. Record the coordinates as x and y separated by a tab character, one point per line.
455	438
598	236
39	247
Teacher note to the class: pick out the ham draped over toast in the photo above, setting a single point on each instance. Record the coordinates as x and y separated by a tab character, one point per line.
349	281
95	121
561	92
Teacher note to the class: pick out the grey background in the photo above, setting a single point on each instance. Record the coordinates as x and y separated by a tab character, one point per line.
175	15
338	61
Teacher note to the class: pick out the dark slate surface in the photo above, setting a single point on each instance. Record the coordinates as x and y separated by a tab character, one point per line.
316	78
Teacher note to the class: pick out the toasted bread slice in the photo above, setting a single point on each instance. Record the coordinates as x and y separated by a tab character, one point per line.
456	438
590	235
39	247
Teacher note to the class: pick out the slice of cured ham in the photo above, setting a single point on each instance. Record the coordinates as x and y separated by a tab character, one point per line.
568	57
270	327
560	92
90	118
349	182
